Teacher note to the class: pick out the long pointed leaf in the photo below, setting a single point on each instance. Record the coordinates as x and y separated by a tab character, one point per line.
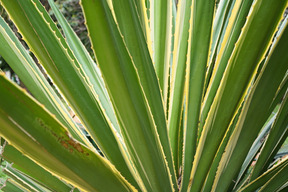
240	10
49	46
277	181
255	148
212	172
258	106
89	67
131	106
176	95
24	180
21	62
275	140
130	28
27	166
161	29
264	178
11	186
201	29
46	141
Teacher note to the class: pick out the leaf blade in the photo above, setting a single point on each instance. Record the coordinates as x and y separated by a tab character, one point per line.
46	133
132	110
49	46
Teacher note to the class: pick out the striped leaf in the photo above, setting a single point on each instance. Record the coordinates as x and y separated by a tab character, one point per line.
253	115
33	170
131	106
46	42
201	27
46	141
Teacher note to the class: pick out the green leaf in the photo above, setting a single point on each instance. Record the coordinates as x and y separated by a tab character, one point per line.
238	16
257	144
28	167
142	14
90	68
220	23
281	91
47	142
176	95
212	172
222	14
49	46
277	181
125	90
258	106
201	19
20	61
241	66
161	34
134	39
277	136
23	180
12	186
264	178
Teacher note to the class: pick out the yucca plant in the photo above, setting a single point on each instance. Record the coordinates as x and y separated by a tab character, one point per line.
183	96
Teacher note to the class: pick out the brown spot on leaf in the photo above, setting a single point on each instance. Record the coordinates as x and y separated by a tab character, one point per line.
64	144
79	148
